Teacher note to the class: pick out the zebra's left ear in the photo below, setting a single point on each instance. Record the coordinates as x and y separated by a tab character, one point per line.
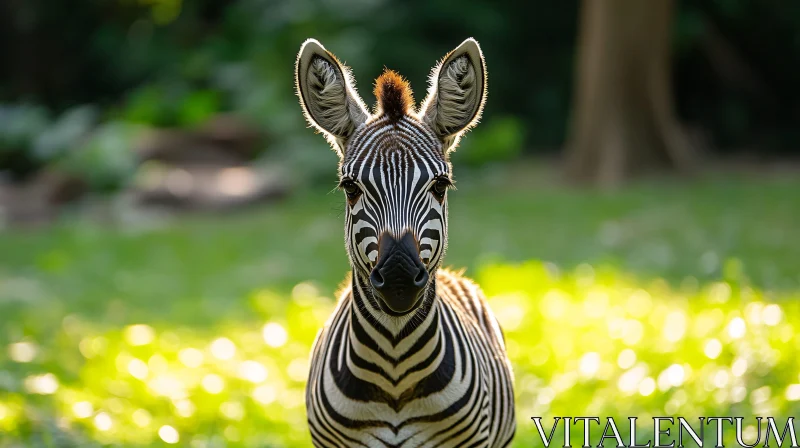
327	94
456	94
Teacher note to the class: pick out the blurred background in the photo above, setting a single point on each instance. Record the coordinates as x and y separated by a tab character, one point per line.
170	241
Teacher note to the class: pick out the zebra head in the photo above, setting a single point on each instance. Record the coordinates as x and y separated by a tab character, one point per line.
394	163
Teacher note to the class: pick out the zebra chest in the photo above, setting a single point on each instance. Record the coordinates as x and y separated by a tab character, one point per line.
434	385
424	384
438	406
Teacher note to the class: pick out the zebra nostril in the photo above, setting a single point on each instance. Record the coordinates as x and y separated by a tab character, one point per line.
422	278
376	279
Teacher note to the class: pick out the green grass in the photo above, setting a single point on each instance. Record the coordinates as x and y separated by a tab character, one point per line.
610	302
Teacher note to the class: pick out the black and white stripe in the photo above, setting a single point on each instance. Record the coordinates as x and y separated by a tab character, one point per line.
394	164
437	375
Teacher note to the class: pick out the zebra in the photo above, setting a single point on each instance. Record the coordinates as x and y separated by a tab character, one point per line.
412	356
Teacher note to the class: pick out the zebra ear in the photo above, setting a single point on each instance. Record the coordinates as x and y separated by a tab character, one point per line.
457	93
327	94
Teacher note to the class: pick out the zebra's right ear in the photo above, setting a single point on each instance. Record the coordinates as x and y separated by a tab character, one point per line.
457	93
327	94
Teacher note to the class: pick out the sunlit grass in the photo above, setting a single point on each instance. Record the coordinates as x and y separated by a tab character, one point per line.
198	333
595	342
592	341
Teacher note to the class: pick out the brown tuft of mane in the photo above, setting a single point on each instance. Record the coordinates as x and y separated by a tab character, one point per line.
394	95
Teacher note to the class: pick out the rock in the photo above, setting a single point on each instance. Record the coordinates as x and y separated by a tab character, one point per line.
224	140
207	188
233	133
39	199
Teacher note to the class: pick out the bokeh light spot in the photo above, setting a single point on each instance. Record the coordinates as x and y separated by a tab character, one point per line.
633	332
102	421
676	374
737	328
141	418
626	359
304	292
265	394
771	315
191	357
45	384
223	349
253	371
274	334
23	351
83	409
185	408
713	348
674	326
739	367
167	386
138	369
793	392
721	379
589	364
629	381
140	334
647	386
168	434
232	410
213	383
738	394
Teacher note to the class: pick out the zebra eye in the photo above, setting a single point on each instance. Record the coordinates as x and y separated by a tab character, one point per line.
440	187
351	189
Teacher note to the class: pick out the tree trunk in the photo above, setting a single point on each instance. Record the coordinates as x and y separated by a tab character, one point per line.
624	122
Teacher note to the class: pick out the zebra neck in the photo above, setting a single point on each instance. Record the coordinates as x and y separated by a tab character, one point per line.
374	332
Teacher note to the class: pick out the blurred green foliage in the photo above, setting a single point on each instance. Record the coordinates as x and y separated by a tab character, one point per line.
163	107
173	63
663	299
499	140
104	159
19	129
96	323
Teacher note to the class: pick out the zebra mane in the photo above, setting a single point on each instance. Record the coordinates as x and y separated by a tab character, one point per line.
394	95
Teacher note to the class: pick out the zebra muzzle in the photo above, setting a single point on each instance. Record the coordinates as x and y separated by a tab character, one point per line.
399	278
